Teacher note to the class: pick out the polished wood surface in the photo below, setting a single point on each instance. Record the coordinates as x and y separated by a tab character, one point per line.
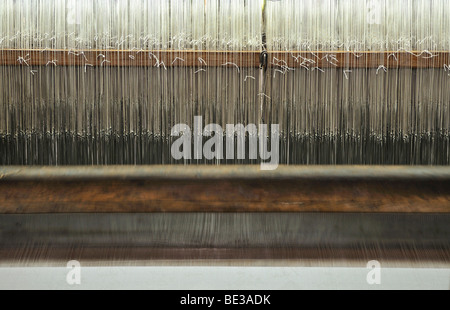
224	189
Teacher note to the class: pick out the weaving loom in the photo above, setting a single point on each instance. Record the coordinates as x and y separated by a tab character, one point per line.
354	95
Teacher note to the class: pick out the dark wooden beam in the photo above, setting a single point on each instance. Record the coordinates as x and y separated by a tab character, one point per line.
190	58
224	189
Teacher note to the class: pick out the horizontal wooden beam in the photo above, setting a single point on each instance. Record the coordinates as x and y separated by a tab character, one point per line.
126	58
366	59
198	58
224	189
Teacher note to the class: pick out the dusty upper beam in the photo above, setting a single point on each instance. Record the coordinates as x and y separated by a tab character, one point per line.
224	189
294	59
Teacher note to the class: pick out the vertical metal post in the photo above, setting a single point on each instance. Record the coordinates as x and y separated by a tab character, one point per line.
263	63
